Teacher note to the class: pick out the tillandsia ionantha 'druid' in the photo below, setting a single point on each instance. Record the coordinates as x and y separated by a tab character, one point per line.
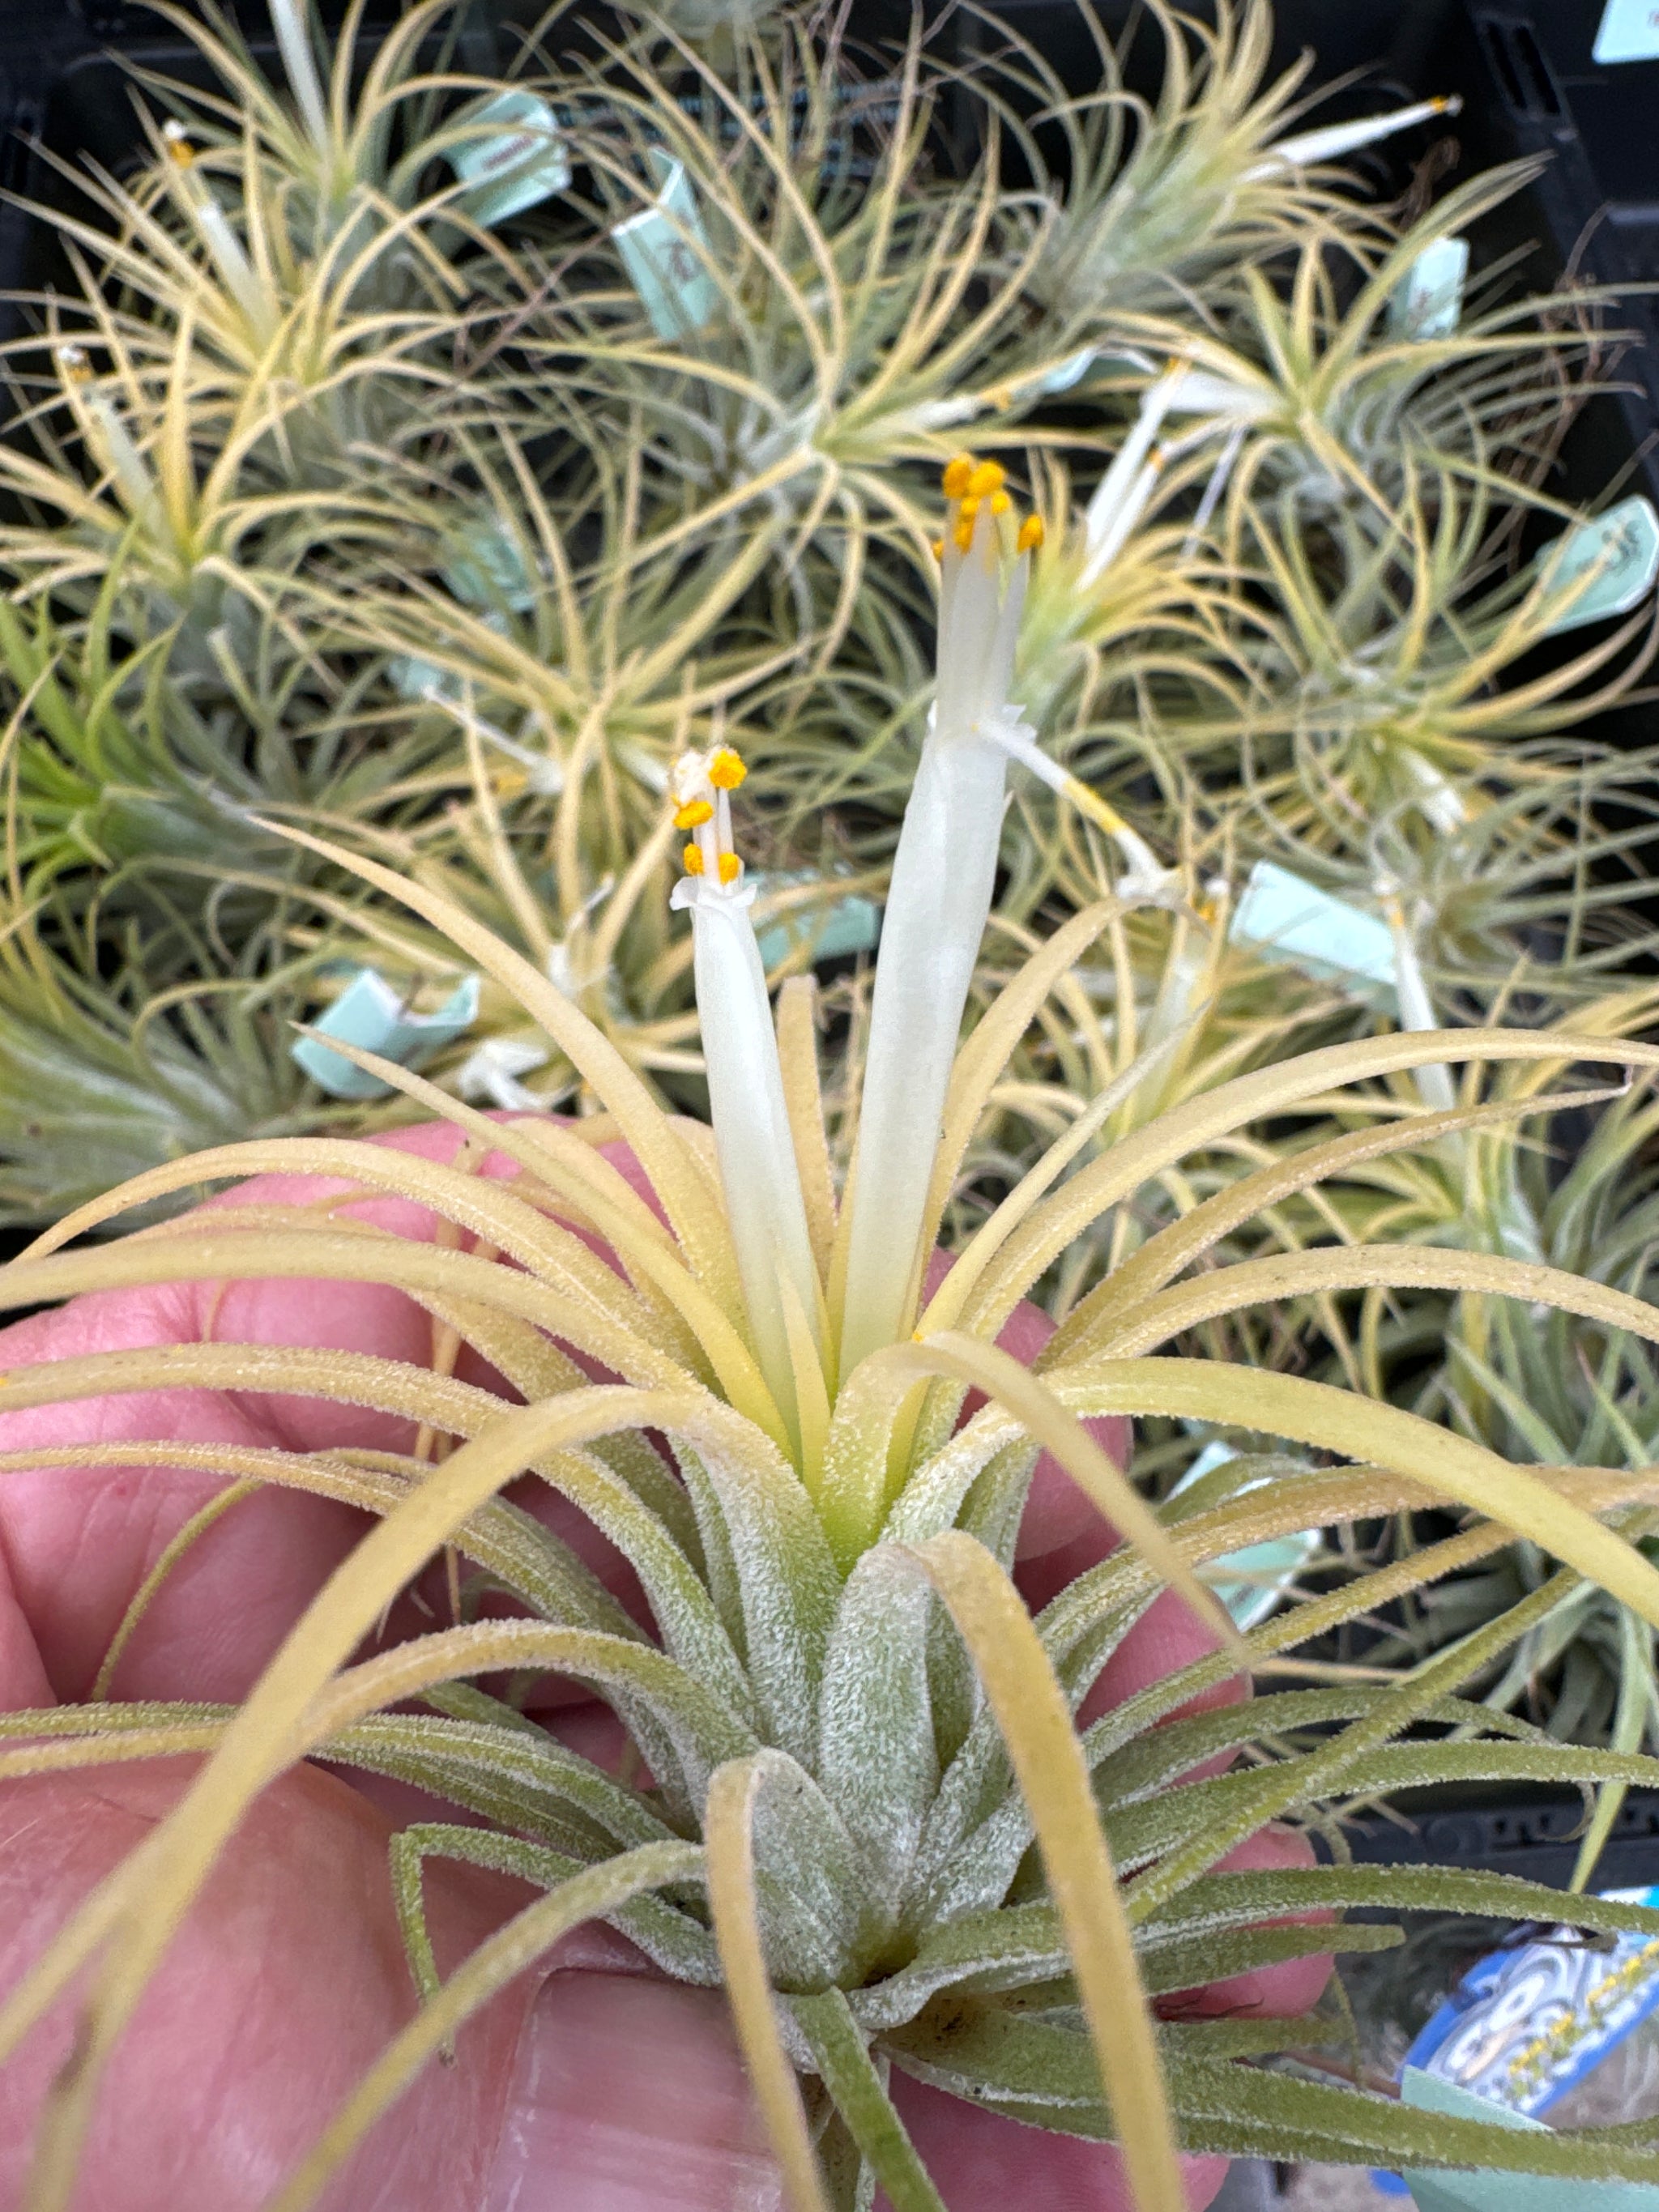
862	1805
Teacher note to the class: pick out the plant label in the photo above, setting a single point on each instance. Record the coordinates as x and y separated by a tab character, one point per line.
1622	546
1428	300
666	251
851	925
370	1014
1282	917
1629	32
514	156
1250	1582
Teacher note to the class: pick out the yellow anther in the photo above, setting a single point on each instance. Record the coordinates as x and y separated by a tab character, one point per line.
177	139
730	867
725	770
691	860
988	476
693	816
937	545
1000	503
1030	534
963	535
957	475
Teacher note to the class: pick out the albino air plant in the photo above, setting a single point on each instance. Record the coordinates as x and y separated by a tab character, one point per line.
858	1799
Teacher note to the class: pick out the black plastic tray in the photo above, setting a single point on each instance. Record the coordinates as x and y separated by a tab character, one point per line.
1531	1833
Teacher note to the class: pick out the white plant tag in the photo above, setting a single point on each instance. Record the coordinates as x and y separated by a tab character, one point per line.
1428	300
512	157
1623	544
1629	32
490	1076
1264	1571
371	1015
1282	917
665	250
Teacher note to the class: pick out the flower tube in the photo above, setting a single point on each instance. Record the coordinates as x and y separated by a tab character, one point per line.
1307	148
108	436
214	225
752	1137
944	873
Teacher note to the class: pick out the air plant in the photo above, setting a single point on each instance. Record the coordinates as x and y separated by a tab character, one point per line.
864	1806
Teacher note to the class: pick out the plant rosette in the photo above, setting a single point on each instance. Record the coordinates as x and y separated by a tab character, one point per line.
864	1789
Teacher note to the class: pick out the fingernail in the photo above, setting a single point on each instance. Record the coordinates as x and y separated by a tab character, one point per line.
628	2096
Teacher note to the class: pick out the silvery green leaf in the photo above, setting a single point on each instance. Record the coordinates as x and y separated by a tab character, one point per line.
809	1881
787	1586
533	1777
876	1759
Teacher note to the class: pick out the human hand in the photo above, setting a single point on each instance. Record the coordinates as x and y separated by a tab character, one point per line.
590	2085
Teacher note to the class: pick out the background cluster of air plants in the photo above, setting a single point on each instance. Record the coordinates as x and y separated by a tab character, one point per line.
337	496
420	461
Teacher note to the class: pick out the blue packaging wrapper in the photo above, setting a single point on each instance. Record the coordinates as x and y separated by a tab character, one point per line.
370	1014
1524	2025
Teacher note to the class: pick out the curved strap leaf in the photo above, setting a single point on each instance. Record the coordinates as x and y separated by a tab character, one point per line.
133	1912
728	1834
499	1959
657	1145
1353	1268
1048	1761
1086	1328
1276	1090
1363	1428
837	2045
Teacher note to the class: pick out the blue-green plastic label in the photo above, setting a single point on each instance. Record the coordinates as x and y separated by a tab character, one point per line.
665	250
1261	1573
1622	547
1428	300
1629	32
512	157
1281	916
852	924
1438	2192
370	1014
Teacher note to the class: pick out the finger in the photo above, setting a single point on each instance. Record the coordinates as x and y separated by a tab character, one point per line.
283	1985
984	2163
1057	1512
83	1541
603	2090
1280	1991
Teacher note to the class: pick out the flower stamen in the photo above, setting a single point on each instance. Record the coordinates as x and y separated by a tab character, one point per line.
700	784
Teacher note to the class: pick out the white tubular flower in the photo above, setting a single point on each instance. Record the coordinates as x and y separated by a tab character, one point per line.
224	247
1310	148
1127	486
106	433
943	874
1434	1083
761	1182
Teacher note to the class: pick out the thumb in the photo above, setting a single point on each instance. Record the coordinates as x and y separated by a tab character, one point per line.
606	2091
